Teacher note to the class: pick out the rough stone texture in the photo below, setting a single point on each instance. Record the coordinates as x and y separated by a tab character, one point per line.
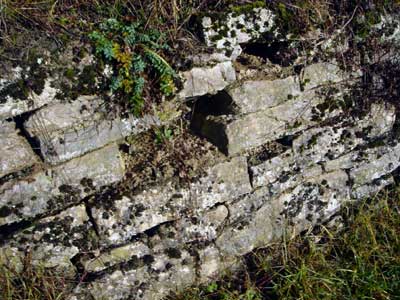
56	188
121	219
207	80
69	130
303	155
225	33
225	182
252	96
116	256
53	241
16	153
12	107
234	134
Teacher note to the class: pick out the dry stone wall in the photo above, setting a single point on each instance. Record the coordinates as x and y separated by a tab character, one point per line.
60	162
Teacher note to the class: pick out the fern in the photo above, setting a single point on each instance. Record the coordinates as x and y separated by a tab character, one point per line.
133	53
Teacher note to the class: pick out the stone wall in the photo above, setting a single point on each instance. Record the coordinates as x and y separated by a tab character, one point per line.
293	157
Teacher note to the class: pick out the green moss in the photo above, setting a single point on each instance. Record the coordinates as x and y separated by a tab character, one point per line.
70	73
248	8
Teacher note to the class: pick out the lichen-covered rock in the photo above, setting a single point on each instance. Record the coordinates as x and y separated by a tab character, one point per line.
226	32
52	242
115	256
121	219
225	182
323	145
207	80
69	130
16	153
10	107
51	190
378	162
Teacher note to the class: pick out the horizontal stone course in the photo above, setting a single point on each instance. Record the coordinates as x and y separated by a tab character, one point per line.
52	242
51	190
70	130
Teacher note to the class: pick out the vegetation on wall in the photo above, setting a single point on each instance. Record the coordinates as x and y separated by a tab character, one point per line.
133	54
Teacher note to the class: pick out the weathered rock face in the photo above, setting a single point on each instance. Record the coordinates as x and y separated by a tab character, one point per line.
63	194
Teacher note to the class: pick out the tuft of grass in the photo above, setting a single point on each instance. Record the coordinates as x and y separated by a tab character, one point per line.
358	260
33	283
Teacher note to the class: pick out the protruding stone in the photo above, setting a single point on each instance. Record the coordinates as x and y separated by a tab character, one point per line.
234	134
69	130
207	80
12	107
51	190
16	153
252	96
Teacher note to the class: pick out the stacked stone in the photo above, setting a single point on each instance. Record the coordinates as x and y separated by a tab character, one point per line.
144	244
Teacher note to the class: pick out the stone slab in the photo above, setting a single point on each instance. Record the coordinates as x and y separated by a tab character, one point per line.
16	153
49	191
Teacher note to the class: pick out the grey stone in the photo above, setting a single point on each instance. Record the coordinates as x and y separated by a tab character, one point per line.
225	182
330	145
234	134
115	256
16	153
13	107
51	190
132	215
51	242
69	130
322	74
252	96
378	162
228	31
207	80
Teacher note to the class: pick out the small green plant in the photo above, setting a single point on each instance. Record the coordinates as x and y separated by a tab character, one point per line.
133	52
163	134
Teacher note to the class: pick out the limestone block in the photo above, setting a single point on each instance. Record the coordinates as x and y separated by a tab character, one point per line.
152	277
252	96
224	183
51	190
10	107
207	80
66	114
115	256
16	153
378	162
226	32
320	74
120	219
52	241
69	130
307	204
234	134
330	145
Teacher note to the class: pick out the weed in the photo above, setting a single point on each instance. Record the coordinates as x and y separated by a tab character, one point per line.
133	53
163	134
33	283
